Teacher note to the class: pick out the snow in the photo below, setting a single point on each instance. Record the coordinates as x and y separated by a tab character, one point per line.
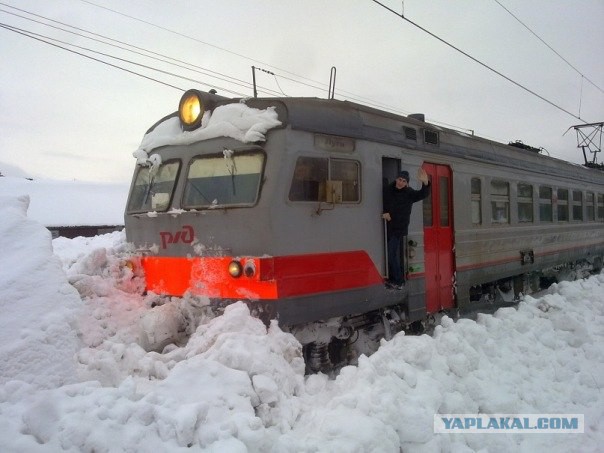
69	203
75	377
37	334
238	121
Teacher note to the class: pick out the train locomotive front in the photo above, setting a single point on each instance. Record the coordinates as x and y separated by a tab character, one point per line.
210	213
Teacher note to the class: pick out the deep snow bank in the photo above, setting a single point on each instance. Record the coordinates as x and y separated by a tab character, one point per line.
38	306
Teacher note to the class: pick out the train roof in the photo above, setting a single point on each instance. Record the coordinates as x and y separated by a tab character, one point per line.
349	119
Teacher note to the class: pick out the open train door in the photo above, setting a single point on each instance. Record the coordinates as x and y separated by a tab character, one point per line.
438	240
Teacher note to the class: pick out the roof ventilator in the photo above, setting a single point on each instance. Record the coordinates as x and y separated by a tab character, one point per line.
418	116
430	137
410	133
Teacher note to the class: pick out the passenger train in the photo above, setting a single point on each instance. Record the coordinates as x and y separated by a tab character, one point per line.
278	202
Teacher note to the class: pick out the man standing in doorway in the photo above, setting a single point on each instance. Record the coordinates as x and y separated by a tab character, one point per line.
398	201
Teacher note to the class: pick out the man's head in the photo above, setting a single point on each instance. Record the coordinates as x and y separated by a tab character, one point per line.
402	179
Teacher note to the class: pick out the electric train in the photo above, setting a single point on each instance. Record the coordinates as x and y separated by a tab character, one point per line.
278	202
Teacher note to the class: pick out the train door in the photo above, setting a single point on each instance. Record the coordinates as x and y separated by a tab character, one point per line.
438	240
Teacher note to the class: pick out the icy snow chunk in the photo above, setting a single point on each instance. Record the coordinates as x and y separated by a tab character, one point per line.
143	159
160	326
266	388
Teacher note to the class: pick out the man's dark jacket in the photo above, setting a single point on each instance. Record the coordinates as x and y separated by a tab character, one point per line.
398	203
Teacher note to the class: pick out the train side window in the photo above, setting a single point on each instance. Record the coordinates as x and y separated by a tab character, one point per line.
348	172
153	187
525	203
311	174
500	202
562	205
577	205
589	207
545	204
476	201
601	207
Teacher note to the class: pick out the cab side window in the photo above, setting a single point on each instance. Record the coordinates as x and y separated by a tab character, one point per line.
309	173
348	172
314	177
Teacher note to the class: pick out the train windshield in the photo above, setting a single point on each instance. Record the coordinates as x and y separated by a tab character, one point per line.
229	179
153	187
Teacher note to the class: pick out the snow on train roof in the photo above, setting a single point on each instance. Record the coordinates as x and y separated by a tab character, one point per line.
237	121
69	203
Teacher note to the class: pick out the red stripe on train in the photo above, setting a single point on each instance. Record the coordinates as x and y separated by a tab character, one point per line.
274	278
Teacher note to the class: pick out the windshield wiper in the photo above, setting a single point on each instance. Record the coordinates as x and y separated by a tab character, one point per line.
148	191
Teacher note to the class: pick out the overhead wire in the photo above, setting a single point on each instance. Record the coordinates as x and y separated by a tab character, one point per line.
239	82
220	76
199	69
43	38
457	49
547	45
313	83
14	30
182	35
351	95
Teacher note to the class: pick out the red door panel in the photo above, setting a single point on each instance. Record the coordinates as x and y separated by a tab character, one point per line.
438	240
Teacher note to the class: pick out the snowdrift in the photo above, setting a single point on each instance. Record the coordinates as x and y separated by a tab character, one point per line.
75	377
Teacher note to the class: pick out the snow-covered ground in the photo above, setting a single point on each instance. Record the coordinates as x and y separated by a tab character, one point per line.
74	377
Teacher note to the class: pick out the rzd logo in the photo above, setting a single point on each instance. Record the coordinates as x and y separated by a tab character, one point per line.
186	236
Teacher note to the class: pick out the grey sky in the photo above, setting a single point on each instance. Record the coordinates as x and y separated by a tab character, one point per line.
67	117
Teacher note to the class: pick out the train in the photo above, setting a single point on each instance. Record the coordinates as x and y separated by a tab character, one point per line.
277	202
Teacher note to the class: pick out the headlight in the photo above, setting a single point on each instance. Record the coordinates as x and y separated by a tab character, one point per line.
249	269
235	269
190	110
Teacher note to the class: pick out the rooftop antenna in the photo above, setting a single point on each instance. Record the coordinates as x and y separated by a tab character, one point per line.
254	81
589	138
332	83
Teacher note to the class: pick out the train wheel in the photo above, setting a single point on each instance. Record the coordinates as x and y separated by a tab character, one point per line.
597	265
317	357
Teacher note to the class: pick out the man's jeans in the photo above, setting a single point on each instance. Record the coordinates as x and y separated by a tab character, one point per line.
395	262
